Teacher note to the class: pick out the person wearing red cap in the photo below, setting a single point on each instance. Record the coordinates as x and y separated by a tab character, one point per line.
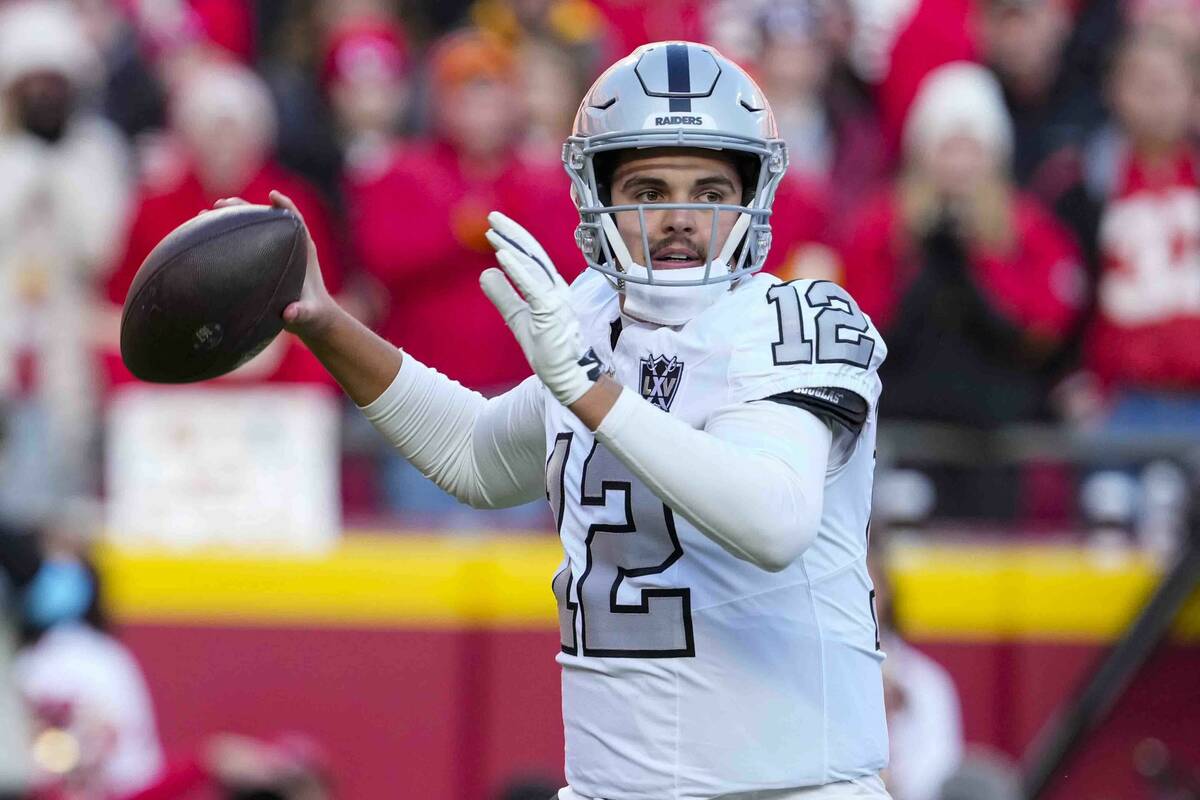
419	222
365	75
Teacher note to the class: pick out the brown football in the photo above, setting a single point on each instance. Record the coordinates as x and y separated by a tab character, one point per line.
211	295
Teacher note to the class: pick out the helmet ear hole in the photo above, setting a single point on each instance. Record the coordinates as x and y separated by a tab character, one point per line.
748	167
604	164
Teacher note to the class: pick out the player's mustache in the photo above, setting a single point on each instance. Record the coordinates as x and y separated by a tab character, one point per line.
656	248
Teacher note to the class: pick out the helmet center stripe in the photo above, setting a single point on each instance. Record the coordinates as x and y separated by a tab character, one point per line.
679	76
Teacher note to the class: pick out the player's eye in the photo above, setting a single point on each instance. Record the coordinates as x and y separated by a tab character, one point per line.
711	197
649	196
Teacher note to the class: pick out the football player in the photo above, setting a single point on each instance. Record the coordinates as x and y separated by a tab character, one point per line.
705	437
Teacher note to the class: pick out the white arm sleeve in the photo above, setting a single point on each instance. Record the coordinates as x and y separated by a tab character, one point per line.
753	481
487	453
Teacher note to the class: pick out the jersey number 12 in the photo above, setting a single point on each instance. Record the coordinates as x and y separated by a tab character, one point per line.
842	331
659	623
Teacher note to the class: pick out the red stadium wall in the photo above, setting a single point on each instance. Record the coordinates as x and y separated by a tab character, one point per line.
426	669
1010	689
401	713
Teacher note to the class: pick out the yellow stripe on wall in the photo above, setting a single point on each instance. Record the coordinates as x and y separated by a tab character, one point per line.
959	592
367	580
1060	593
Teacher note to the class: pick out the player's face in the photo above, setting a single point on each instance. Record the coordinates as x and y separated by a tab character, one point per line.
678	237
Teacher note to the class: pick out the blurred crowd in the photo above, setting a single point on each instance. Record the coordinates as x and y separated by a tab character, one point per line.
1009	188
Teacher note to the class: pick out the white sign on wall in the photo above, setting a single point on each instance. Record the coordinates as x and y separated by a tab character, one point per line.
243	467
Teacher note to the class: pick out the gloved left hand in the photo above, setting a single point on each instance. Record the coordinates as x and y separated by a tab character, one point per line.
540	316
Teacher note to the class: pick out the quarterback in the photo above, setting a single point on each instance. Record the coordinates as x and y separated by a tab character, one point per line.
705	437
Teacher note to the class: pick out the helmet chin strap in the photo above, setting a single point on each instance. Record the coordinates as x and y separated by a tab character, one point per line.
666	303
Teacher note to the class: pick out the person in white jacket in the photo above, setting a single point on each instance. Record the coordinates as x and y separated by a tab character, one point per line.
63	204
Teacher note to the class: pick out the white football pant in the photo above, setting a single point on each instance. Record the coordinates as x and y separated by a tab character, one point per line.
871	788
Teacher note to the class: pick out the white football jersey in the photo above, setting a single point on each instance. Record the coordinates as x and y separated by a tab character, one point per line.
688	673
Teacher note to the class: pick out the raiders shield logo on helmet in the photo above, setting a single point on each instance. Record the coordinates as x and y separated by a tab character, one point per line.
660	379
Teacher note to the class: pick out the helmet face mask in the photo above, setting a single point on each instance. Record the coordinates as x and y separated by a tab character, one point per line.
674	95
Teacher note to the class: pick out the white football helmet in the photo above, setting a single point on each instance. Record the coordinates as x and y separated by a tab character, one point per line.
674	94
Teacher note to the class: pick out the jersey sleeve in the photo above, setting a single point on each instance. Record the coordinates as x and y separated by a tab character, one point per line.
803	336
487	453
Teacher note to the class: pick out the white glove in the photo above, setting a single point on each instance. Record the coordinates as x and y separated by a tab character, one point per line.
543	321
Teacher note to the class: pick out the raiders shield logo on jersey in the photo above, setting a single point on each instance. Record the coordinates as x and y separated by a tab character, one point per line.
660	379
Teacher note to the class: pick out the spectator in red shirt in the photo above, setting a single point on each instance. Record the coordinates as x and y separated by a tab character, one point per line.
972	283
223	130
419	224
419	228
1143	345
